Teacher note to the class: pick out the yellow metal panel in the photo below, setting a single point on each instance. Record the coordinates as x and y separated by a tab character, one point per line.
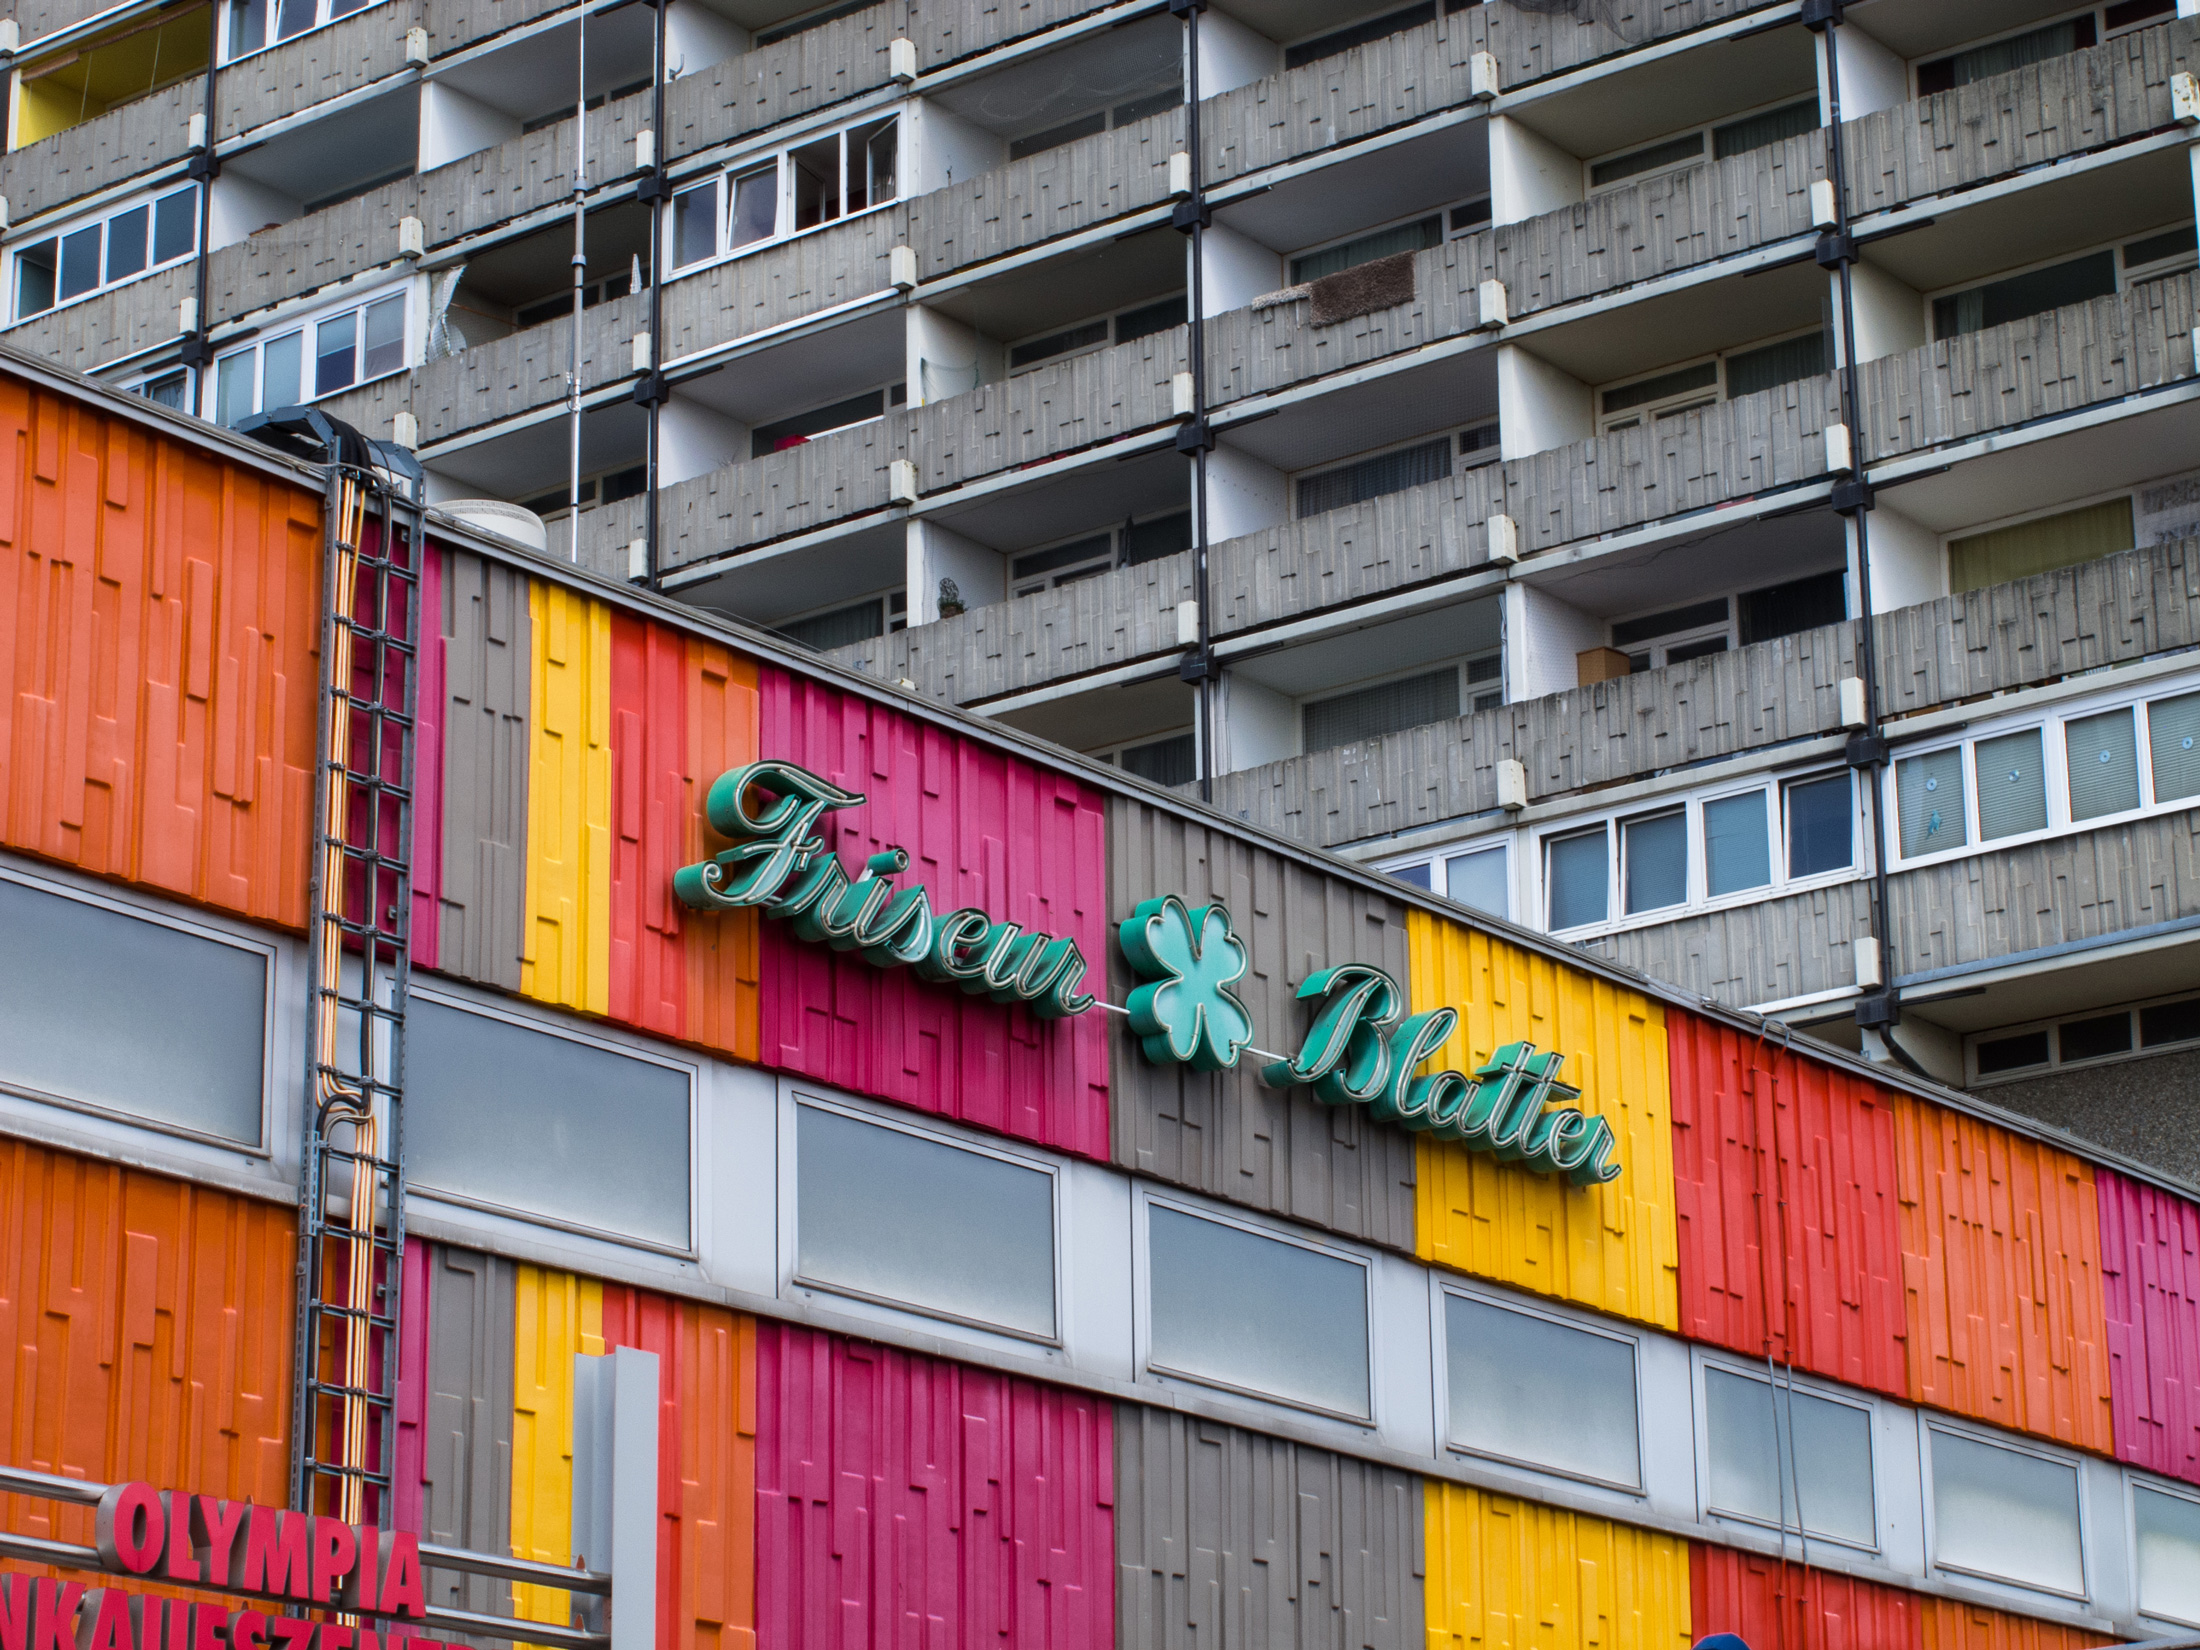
1611	1247
566	957
1506	1574
557	1316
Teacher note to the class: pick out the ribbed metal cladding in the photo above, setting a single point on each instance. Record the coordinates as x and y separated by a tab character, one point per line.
466	1453
1228	1540
487	641
1222	1132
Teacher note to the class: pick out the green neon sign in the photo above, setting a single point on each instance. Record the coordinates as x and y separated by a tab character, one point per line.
1362	1049
776	865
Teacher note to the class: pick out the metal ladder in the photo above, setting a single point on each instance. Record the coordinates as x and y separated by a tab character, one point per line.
351	1219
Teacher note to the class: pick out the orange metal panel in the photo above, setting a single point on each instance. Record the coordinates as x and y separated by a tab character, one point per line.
1776	1605
159	625
724	715
2001	1265
145	1333
1950	1625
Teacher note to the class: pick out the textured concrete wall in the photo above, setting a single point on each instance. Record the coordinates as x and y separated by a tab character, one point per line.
2142	1108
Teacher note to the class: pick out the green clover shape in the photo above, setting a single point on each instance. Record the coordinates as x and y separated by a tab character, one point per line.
1187	1013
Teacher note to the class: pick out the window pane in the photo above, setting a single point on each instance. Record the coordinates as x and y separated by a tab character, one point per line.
2173	733
2012	789
1825	1469
80	262
2034	547
2169	1554
333	344
1375	477
1770	365
34	279
816	168
2170	1023
2104	765
1532	1390
1173	761
2003	1513
1657	861
247	26
1478	881
694	225
126	242
1387	707
1255	1312
1417	236
2026	1048
917	1221
175	224
1580	884
2019	297
1737	847
293	17
233	387
281	360
1820	831
525	1120
755	208
188	1053
2095	1038
1416	876
1738	137
1672	152
1929	797
385	326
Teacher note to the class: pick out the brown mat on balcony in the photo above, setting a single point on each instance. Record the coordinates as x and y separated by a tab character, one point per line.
1363	289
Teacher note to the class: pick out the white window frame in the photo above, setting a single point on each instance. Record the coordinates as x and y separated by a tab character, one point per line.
2172	1489
794	1285
1107	320
264	1149
2052	721
1709	1359
1931	1425
2126	278
1702	157
1145	1199
137	382
1437	862
611	1040
321	20
1443	1287
149	202
779	158
305	324
1774	782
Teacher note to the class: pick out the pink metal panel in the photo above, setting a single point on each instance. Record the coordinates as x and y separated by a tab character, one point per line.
408	1475
2150	1267
429	710
983	829
907	1500
1784	1189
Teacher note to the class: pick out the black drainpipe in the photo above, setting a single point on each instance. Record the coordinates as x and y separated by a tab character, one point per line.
197	351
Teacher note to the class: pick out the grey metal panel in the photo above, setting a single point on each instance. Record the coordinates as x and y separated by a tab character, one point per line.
1223	1132
487	649
1228	1540
466	1455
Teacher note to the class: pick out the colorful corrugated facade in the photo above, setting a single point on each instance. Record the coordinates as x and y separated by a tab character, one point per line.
816	1487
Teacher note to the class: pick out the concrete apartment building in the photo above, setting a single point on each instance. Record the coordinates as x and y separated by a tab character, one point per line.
1504	443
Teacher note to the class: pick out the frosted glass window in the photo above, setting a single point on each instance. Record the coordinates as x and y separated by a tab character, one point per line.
2169	1555
1478	881
2001	1512
1580	882
110	1010
1257	1313
2104	764
1825	1468
1657	861
1737	849
283	359
1532	1390
922	1223
507	1115
2173	732
2012	786
1929	799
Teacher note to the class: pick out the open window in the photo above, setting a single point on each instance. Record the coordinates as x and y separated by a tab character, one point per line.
319	356
800	188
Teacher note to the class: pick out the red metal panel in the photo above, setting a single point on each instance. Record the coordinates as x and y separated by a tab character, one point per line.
652	796
429	711
2150	1272
408	1469
1784	1185
982	828
906	1500
1778	1606
2001	1260
159	632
